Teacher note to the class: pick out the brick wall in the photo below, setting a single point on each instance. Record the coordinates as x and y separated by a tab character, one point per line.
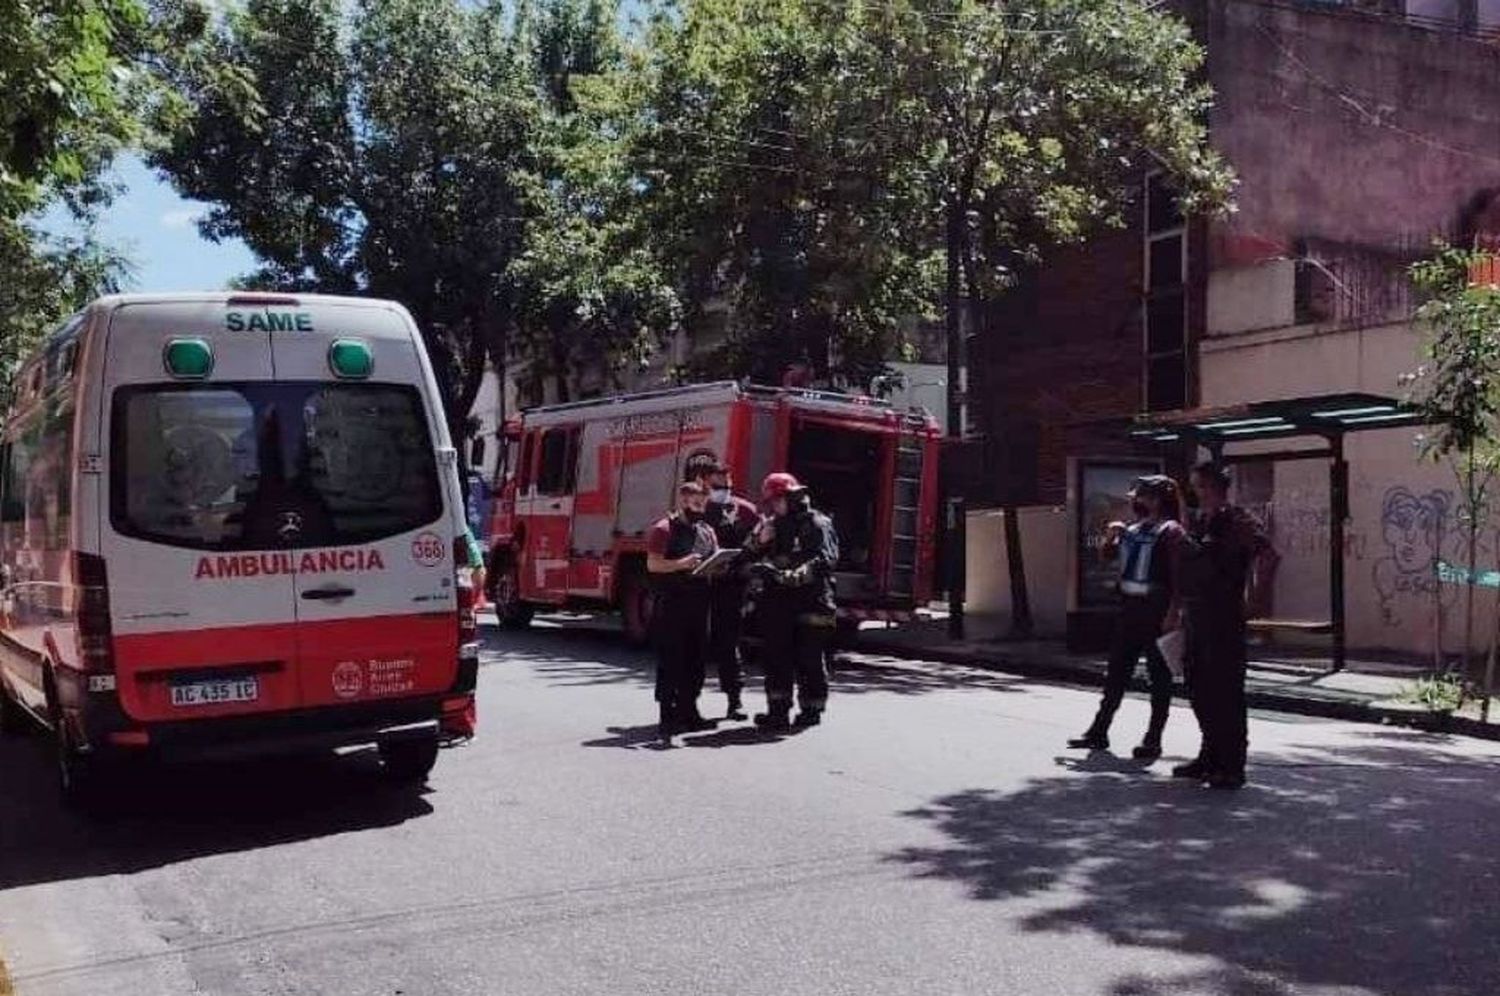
1062	350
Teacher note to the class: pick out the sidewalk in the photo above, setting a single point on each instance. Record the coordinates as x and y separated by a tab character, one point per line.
1365	692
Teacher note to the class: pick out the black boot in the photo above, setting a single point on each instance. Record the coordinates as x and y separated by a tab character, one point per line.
1091	740
778	718
666	725
736	710
808	717
692	722
1196	769
1150	748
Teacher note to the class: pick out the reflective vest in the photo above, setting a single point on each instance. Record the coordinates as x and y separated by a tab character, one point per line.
1143	559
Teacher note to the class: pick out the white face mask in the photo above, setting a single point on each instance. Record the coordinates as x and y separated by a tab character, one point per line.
719	496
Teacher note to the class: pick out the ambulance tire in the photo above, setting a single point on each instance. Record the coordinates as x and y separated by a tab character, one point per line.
13	719
81	778
408	762
505	594
637	604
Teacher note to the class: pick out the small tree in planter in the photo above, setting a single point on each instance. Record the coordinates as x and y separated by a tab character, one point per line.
1458	387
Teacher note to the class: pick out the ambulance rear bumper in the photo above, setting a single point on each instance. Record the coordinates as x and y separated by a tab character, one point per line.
301	732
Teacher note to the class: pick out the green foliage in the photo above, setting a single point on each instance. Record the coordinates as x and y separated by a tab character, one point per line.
80	83
441	153
804	156
1437	692
46	280
65	111
1458	385
589	297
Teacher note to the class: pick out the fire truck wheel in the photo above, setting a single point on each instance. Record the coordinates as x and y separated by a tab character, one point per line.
636	605
505	593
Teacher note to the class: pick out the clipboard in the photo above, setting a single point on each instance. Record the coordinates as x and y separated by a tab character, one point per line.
717	564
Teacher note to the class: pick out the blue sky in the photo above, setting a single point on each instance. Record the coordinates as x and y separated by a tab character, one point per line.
156	229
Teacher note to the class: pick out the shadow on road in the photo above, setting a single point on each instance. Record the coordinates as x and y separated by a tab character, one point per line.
579	656
167	814
1374	867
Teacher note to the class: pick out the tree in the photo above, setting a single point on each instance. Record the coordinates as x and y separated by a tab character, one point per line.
778	189
378	152
1458	388
79	87
590	296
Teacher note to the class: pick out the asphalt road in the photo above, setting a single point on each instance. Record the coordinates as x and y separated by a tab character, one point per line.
932	838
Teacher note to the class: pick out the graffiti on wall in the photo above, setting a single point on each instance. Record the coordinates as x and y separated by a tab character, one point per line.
1416	531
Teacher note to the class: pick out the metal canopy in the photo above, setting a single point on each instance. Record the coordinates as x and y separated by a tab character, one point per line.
1328	416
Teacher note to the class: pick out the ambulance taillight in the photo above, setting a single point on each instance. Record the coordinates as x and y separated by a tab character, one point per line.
95	639
468	595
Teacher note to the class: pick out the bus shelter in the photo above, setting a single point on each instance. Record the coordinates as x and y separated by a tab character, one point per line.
1308	428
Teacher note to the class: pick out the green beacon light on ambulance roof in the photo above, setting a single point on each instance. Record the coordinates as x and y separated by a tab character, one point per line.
188	359
350	359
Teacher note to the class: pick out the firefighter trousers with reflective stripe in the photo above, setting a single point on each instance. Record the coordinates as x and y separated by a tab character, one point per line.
680	633
726	622
1216	683
1137	628
796	645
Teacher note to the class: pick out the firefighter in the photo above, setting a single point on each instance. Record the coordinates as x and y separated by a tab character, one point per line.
796	606
1225	544
1148	552
733	520
675	546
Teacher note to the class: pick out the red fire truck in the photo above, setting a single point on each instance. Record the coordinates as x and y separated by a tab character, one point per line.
581	484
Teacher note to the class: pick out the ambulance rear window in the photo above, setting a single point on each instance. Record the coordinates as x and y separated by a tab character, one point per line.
369	457
270	465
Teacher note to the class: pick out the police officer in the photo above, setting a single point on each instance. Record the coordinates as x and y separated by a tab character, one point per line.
1225	543
675	546
796	605
733	520
1148	552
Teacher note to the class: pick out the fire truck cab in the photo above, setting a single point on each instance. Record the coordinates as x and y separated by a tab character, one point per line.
581	484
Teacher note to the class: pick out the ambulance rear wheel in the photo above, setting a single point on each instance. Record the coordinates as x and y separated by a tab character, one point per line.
81	779
408	762
505	593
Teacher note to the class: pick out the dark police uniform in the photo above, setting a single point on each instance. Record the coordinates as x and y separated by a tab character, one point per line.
732	522
679	619
1216	567
797	612
1148	554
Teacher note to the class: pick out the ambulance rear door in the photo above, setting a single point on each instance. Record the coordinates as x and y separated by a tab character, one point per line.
375	599
202	603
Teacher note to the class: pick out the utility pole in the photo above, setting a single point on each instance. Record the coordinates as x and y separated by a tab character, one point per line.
956	523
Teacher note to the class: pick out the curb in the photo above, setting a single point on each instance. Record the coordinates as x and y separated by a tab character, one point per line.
1256	698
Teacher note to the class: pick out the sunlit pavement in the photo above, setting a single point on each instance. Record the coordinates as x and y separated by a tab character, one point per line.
932	838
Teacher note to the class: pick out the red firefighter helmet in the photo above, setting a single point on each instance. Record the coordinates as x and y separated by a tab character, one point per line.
779	485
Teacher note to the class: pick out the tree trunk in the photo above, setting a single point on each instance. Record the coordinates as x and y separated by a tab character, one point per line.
1473	502
957	515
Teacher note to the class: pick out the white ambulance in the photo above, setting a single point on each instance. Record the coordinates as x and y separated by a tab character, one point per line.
231	523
